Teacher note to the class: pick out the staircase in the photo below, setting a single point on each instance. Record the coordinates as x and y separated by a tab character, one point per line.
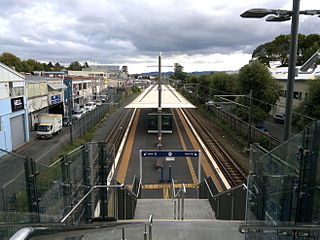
199	221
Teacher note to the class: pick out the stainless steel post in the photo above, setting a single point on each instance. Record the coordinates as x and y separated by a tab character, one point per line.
182	205
159	106
179	217
174	209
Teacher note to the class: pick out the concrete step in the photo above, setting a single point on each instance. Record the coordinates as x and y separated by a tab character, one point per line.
163	209
177	230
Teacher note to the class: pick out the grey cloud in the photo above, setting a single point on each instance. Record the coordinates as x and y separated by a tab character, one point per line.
118	30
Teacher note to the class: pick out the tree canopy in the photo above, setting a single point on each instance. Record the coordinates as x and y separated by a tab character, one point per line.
178	72
29	65
310	106
265	88
278	49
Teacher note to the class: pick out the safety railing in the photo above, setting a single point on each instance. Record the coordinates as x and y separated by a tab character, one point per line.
61	231
178	199
283	231
122	202
227	205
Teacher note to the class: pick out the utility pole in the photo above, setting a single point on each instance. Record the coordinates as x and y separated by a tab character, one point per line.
159	145
70	105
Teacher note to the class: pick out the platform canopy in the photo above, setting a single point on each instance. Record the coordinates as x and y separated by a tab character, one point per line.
170	98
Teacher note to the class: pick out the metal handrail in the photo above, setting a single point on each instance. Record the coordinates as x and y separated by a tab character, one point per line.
229	190
205	181
261	227
139	188
63	230
86	195
179	196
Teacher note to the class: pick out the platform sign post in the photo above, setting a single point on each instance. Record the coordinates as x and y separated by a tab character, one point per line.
171	153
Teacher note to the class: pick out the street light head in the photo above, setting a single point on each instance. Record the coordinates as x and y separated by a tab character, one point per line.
256	13
280	18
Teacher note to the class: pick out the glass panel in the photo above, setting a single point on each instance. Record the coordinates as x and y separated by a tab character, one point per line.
283	186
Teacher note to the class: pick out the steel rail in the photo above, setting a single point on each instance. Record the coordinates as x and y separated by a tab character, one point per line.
230	168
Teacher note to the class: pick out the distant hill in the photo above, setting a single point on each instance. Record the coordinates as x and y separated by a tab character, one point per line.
170	73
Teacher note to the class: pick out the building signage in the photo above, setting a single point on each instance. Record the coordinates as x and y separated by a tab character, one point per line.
17	104
172	153
55	99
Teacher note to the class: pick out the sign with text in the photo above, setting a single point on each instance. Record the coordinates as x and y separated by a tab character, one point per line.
169	153
17	104
55	99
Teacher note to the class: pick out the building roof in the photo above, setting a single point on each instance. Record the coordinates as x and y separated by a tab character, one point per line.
170	98
282	73
12	72
57	86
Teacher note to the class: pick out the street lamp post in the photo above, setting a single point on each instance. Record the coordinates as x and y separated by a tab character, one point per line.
279	16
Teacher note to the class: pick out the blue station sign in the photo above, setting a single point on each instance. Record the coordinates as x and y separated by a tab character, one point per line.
170	153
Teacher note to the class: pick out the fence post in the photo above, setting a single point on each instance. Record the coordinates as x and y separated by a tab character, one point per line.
103	178
87	179
31	188
66	183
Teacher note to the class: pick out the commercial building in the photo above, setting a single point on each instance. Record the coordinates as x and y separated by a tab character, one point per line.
45	95
13	109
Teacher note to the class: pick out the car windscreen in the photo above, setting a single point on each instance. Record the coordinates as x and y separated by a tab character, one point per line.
44	128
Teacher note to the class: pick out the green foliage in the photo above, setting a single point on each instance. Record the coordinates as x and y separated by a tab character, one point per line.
206	86
135	89
310	106
265	88
75	66
278	49
11	61
178	72
29	65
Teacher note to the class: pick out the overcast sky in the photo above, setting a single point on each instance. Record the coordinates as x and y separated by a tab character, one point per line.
198	34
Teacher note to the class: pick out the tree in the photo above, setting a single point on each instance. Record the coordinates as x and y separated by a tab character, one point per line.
58	67
11	61
26	67
125	69
266	89
75	66
85	65
222	83
310	106
178	72
278	49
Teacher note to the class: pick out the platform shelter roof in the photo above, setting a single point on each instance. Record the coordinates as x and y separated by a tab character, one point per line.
170	98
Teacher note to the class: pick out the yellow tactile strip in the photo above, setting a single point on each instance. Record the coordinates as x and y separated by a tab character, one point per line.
165	187
122	170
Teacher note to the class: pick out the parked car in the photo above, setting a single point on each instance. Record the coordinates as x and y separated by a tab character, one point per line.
263	129
90	106
279	118
83	110
77	114
98	102
210	102
66	121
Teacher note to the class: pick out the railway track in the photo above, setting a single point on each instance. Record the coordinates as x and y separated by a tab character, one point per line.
113	141
234	174
115	135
